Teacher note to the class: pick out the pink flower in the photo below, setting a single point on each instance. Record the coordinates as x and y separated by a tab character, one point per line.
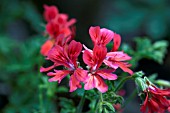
116	59
100	36
67	57
155	100
113	59
116	42
94	60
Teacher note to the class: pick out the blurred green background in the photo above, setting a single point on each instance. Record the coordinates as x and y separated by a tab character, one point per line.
21	35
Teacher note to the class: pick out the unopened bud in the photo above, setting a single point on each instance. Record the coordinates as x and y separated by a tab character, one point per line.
141	85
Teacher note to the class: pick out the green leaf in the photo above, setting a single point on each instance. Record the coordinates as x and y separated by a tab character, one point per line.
109	106
163	83
153	77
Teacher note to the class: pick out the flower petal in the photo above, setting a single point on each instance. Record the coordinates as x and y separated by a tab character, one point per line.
42	69
53	28
71	22
89	82
116	41
88	58
74	83
56	54
100	84
106	36
144	106
74	49
80	74
99	54
106	75
94	33
58	75
163	92
118	56
95	81
124	67
50	12
45	48
111	64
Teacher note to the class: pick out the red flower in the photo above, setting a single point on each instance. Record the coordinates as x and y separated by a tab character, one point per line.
50	12
155	100
66	56
57	25
94	60
118	108
45	48
100	36
60	41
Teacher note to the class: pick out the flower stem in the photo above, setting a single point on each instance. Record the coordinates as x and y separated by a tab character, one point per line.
81	103
122	82
99	102
101	97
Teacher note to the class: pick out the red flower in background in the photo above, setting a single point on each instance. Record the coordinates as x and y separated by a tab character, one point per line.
57	24
94	60
67	57
156	100
50	12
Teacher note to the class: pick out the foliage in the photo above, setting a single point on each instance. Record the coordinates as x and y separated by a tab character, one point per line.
21	61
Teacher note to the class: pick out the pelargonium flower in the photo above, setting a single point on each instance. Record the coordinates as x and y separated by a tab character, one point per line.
115	59
156	100
96	75
57	25
100	36
67	57
50	12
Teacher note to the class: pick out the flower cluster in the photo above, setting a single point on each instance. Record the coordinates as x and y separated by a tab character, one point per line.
62	50
57	24
155	100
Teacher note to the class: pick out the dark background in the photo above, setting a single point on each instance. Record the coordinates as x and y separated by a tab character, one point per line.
20	20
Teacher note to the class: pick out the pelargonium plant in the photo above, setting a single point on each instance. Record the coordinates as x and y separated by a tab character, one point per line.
102	64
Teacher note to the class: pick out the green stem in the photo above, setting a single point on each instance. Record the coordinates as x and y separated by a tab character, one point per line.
101	97
81	103
41	99
40	89
122	82
99	102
